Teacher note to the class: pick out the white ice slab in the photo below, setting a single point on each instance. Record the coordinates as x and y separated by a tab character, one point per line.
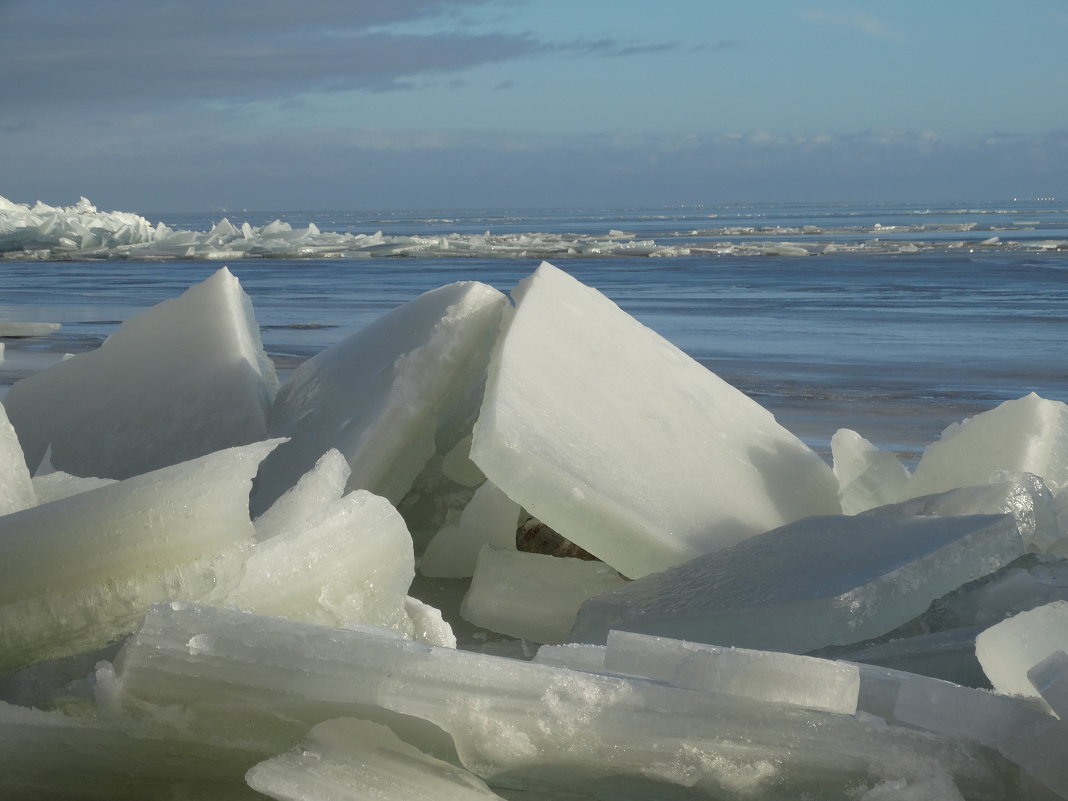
57	485
1029	435
346	759
1050	678
9	328
531	595
625	445
1009	649
16	486
817	582
79	572
381	395
490	518
761	675
867	476
320	487
529	725
185	378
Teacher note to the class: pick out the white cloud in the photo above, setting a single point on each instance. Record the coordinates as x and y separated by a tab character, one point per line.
861	23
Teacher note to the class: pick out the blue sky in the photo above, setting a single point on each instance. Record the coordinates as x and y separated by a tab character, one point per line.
319	104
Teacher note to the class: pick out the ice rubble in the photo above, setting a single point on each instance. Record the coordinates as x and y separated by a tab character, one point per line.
295	654
183	379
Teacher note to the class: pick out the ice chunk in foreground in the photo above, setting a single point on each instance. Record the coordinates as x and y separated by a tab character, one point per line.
79	572
1009	649
762	675
185	378
355	760
16	486
381	395
525	725
625	445
817	582
867	476
1029	435
530	595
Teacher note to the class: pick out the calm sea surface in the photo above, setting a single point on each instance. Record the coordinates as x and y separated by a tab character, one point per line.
901	321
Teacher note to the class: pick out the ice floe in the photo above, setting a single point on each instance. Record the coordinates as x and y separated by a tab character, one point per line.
352	613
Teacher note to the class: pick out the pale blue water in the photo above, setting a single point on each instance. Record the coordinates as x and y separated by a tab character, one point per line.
893	345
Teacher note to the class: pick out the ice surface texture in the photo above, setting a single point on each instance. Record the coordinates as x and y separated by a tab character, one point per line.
16	486
625	445
183	379
817	582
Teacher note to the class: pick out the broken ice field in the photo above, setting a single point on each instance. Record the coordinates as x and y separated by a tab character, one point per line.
510	546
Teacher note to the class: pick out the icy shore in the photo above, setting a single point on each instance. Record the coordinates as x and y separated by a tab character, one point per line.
515	547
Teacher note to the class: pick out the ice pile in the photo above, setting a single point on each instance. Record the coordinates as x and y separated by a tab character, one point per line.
226	593
81	231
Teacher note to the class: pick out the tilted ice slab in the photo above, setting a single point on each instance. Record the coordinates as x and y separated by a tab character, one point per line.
185	378
356	760
817	582
1050	678
531	595
79	572
381	395
625	445
1009	649
866	476
232	675
16	485
1029	435
489	518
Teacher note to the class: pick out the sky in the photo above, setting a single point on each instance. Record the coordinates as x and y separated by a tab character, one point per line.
200	105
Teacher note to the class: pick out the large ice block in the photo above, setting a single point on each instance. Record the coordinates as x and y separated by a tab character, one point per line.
820	581
531	595
528	725
346	759
16	485
1029	435
625	445
382	395
80	571
185	378
1009	649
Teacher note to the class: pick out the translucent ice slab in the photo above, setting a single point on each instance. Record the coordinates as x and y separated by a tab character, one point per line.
381	395
185	378
79	572
820	581
1029	434
866	476
625	445
16	486
1009	649
1050	679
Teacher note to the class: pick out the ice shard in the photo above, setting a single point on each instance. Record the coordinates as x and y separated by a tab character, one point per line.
817	582
866	476
79	572
1009	649
355	760
531	595
16	485
1029	435
382	395
489	518
625	445
183	379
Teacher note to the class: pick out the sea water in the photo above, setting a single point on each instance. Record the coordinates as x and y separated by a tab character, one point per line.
896	321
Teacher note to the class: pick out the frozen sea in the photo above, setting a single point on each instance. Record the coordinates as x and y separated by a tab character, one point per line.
892	320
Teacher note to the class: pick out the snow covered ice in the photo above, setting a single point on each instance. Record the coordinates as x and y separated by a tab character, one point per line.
177	644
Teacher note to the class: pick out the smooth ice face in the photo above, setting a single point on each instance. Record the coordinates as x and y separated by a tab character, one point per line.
866	476
79	572
490	518
348	758
381	395
1009	649
817	582
321	486
530	595
762	675
625	445
1027	435
16	486
185	378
